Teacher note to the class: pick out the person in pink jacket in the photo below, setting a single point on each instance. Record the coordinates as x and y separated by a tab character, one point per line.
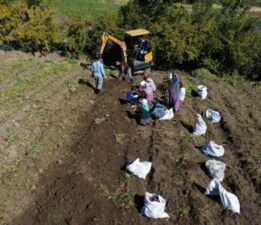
149	92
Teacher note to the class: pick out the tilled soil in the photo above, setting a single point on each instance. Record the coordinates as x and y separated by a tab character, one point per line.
63	151
88	185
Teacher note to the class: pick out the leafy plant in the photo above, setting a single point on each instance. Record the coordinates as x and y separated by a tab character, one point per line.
122	196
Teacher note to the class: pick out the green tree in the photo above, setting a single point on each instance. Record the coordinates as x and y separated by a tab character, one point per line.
143	13
174	38
31	29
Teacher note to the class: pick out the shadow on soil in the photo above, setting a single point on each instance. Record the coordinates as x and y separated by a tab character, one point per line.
187	126
204	168
87	84
139	202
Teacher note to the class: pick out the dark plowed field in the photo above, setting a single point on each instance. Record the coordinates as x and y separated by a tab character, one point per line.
80	179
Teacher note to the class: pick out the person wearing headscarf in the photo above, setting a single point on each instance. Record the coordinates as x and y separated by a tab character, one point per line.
148	78
144	112
146	88
149	92
173	91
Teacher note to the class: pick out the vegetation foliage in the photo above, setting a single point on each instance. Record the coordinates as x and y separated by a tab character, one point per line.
222	39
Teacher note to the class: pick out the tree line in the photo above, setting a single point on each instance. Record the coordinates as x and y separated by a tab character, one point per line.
223	40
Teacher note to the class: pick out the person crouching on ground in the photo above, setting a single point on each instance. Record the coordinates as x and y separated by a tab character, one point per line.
157	111
147	78
144	112
173	91
131	97
125	70
98	74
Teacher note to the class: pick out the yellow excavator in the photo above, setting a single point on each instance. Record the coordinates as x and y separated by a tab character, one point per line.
135	48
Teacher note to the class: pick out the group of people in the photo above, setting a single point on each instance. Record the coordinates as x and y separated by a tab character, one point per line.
148	107
98	72
144	97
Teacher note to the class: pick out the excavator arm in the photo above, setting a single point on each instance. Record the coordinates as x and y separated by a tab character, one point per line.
106	36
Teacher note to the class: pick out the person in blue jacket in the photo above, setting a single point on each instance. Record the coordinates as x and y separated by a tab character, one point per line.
98	74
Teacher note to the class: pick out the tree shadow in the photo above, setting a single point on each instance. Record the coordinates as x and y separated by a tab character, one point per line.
187	126
139	202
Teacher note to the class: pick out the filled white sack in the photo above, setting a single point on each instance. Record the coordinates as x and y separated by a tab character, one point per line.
154	206
202	91
182	93
216	169
200	126
139	169
213	116
213	149
168	115
227	199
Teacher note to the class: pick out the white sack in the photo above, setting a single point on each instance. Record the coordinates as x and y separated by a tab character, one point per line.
154	209
212	188
202	90
213	116
168	115
139	169
200	126
227	199
182	94
213	149
216	169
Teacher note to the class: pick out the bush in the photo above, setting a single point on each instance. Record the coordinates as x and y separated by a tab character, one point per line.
204	75
31	29
76	37
223	40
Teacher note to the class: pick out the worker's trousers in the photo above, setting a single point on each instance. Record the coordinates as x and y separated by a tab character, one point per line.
98	81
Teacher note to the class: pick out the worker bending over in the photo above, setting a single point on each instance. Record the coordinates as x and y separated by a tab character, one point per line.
125	70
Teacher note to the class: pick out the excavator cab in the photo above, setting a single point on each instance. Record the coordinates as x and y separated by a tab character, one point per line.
135	48
138	49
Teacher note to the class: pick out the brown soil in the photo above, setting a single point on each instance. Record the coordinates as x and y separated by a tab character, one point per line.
84	182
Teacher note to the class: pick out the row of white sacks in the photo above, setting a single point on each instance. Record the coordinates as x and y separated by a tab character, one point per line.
200	127
215	168
154	204
202	91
